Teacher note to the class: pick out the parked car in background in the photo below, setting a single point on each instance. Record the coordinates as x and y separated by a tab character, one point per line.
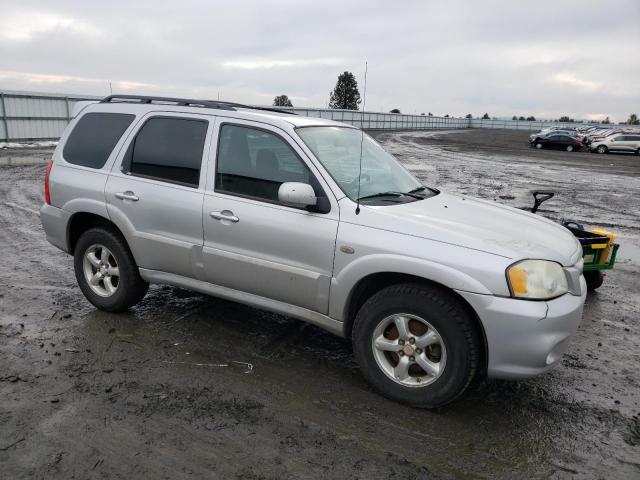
561	141
546	133
617	143
599	135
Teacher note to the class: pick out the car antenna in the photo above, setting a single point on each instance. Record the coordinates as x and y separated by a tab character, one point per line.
364	105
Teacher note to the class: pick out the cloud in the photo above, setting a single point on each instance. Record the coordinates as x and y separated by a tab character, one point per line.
454	57
23	26
570	80
267	63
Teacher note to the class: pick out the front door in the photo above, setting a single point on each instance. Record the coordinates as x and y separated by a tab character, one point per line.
253	242
154	193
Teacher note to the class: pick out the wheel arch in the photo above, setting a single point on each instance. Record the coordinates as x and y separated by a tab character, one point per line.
80	222
373	283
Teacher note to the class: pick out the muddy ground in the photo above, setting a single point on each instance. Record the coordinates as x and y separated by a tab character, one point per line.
186	386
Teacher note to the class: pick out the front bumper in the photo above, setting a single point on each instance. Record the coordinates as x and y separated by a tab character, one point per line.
525	338
54	222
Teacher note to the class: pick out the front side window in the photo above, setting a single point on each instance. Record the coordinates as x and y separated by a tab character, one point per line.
168	149
338	149
94	137
254	163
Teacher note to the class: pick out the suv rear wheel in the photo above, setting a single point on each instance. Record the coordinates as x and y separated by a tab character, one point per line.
416	344
106	272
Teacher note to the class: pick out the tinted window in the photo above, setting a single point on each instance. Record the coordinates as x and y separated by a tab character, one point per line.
255	163
619	139
93	138
169	149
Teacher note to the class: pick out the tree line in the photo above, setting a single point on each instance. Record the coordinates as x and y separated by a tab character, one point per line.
346	96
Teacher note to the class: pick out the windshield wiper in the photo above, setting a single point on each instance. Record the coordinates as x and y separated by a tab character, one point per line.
422	189
392	194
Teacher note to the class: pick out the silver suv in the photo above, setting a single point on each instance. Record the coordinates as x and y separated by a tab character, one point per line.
312	219
619	142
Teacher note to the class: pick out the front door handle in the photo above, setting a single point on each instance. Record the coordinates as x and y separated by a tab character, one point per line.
224	215
128	195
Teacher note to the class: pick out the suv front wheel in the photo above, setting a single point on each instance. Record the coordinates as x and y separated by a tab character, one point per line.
106	272
416	344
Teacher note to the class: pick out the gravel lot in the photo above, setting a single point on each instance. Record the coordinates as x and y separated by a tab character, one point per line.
190	386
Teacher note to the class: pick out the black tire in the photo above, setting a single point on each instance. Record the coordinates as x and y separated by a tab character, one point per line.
594	279
569	148
602	149
638	151
452	321
131	287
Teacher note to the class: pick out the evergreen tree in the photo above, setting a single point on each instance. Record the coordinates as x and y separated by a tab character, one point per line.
485	116
633	119
469	115
345	95
282	101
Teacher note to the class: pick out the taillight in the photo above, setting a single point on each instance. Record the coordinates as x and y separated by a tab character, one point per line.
47	194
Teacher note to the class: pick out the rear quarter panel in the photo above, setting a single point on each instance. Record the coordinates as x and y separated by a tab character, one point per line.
75	188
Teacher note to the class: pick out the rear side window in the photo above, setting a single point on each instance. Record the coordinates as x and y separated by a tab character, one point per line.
169	149
93	138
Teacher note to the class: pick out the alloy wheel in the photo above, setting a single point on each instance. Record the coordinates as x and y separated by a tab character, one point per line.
409	350
101	270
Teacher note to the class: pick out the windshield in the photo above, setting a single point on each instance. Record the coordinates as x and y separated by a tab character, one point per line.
338	149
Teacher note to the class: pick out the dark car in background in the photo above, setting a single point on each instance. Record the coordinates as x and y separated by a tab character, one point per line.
560	141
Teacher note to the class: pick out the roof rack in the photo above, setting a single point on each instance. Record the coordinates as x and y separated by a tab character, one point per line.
183	102
186	102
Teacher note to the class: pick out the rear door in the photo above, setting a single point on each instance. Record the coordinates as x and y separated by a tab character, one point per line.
155	191
253	242
627	144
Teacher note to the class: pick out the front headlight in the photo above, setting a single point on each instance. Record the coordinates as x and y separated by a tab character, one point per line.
536	279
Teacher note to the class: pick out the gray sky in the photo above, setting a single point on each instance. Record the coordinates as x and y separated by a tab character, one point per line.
527	58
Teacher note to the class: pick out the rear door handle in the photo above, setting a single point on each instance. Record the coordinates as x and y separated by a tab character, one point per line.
128	195
224	215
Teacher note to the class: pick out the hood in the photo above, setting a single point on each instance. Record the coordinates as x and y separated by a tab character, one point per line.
480	225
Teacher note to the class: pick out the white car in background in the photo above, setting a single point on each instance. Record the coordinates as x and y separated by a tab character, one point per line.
628	142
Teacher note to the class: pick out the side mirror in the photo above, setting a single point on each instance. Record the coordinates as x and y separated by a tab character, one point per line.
297	194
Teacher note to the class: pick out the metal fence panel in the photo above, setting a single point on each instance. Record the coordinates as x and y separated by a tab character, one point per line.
27	116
